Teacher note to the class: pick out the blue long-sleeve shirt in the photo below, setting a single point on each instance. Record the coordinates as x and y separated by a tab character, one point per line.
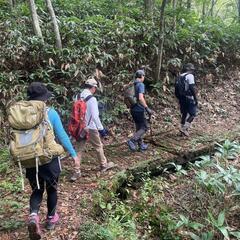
59	131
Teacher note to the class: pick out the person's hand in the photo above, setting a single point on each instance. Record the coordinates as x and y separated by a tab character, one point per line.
76	162
103	133
149	111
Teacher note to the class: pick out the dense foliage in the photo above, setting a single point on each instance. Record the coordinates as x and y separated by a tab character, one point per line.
117	36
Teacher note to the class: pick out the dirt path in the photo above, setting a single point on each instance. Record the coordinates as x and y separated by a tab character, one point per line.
219	113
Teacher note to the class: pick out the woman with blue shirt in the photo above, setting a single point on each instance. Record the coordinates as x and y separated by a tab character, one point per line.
48	174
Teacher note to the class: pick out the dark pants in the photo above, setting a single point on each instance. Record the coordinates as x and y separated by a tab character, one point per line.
187	107
48	178
140	123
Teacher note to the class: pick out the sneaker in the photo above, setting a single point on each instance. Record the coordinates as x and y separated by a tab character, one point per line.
143	146
132	146
33	227
108	166
52	221
76	175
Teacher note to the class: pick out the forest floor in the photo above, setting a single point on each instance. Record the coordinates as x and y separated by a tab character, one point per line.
218	115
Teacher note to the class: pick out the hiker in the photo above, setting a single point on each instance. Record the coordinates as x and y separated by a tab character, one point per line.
48	174
138	112
186	94
93	127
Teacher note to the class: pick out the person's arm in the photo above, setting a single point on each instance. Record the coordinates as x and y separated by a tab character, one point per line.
141	98
93	104
193	92
191	81
62	135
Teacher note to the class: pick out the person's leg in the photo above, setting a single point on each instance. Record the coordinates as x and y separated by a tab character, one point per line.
35	202
141	128
37	194
80	148
192	111
52	216
184	114
183	110
141	125
95	140
145	125
51	188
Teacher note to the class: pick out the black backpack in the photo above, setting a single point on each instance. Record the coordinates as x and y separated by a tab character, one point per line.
181	86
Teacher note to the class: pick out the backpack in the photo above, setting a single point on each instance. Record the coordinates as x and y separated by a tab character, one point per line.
129	95
32	139
181	86
77	123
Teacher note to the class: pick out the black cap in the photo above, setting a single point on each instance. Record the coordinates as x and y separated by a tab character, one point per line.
139	73
38	91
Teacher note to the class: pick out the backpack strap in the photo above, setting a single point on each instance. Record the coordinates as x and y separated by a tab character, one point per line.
88	98
85	100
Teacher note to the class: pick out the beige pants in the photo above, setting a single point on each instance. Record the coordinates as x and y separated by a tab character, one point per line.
95	141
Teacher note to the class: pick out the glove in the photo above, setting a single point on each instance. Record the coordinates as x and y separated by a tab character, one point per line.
103	133
149	111
196	103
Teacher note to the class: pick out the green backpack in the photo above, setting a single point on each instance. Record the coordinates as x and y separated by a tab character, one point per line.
129	95
32	139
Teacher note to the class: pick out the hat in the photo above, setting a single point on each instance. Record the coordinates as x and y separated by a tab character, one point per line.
188	67
38	91
92	82
139	73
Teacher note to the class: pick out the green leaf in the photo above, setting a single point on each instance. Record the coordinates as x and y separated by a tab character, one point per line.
235	234
195	225
194	236
221	218
224	231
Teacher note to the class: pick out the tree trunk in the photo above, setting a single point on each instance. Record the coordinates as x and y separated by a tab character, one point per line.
213	3
189	4
35	21
174	5
149	4
55	24
180	2
238	10
11	3
161	41
204	10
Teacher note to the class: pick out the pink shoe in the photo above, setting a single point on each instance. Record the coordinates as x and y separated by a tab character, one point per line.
52	221
33	227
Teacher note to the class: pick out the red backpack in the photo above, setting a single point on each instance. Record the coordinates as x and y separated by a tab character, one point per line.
77	123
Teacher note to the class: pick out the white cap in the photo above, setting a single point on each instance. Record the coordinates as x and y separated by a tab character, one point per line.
92	82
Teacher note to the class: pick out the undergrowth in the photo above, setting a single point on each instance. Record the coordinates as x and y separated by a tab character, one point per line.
201	203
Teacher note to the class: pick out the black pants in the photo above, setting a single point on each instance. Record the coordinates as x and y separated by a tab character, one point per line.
140	123
187	107
48	179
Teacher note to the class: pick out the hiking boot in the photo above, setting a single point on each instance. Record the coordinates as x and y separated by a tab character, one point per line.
33	227
77	174
108	166
52	221
184	130
132	146
143	146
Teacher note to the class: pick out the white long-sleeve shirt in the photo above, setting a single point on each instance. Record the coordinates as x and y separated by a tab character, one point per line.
92	115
